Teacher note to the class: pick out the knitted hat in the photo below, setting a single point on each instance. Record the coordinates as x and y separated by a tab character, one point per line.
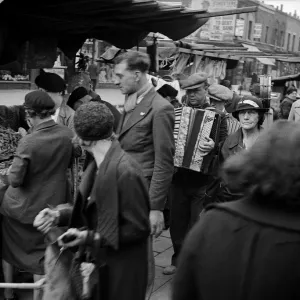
93	122
38	101
50	82
167	90
220	93
76	95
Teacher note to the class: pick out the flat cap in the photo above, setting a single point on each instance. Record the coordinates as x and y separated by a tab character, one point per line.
50	82
194	81
220	93
38	101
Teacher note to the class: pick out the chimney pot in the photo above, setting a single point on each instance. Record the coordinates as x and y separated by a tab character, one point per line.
281	7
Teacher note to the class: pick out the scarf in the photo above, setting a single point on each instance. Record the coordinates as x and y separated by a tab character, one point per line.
132	100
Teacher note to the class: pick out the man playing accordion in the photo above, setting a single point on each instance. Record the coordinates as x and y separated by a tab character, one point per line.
190	185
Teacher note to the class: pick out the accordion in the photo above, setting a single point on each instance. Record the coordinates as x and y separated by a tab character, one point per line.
192	127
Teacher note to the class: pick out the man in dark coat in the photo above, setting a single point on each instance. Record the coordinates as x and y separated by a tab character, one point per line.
189	188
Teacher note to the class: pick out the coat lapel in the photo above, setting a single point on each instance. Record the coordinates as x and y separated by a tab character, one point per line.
139	113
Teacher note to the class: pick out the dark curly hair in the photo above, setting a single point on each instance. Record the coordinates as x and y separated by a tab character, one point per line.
269	174
93	121
46	113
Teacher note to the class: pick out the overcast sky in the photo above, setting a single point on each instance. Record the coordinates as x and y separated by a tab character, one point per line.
288	5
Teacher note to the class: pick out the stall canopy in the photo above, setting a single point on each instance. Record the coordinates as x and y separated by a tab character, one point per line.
284	79
66	24
263	60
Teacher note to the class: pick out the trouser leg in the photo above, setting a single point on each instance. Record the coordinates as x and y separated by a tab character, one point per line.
180	218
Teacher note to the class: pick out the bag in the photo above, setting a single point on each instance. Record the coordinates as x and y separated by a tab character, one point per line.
84	275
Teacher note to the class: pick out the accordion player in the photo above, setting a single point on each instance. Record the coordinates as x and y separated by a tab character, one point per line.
192	127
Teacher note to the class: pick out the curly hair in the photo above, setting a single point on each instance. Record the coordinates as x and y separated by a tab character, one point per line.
269	173
46	113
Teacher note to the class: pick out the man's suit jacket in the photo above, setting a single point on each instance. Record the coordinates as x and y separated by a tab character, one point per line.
66	116
38	175
147	135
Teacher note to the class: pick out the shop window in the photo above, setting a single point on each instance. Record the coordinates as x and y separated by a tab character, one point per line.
250	30
288	42
294	41
266	36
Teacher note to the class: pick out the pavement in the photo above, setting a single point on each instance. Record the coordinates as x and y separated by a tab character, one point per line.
16	97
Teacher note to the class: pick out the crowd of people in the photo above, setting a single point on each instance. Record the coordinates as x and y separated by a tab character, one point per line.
234	226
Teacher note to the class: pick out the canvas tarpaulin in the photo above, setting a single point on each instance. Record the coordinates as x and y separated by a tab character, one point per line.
69	23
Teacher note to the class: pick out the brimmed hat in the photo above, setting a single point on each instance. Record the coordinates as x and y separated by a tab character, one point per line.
249	103
220	93
93	122
38	101
194	81
50	82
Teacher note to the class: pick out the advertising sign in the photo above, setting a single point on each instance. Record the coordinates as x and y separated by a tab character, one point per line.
257	31
217	28
239	27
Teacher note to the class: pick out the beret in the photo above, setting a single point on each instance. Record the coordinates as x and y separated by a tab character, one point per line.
194	81
167	90
38	101
76	95
220	93
50	82
93	121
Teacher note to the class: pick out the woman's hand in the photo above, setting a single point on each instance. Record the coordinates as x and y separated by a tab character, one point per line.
207	145
46	219
73	237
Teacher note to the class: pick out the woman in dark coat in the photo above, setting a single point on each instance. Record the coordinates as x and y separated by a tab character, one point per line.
249	249
251	114
112	204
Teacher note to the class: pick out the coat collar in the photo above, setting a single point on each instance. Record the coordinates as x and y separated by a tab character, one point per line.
44	125
139	113
235	139
264	215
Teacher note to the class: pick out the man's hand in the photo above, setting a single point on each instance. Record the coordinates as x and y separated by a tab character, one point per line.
22	131
157	222
207	145
45	220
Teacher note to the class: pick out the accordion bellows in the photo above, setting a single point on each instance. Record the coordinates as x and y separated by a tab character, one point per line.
192	127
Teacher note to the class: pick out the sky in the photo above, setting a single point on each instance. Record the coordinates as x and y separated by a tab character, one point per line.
288	5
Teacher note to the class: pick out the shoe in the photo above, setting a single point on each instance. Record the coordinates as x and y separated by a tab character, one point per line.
170	270
15	297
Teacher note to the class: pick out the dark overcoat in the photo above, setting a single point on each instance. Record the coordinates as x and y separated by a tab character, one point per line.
240	250
114	202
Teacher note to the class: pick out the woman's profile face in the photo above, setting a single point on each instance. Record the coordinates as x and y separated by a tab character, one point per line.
248	118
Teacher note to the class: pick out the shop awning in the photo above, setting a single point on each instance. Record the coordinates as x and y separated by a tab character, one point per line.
68	23
263	60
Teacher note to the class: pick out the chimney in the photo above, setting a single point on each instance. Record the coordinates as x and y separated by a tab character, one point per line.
281	7
295	13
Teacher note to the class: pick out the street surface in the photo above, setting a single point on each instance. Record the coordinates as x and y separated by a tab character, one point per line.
16	97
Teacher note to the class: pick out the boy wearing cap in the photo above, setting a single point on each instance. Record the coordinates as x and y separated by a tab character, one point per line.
55	86
38	179
189	188
219	95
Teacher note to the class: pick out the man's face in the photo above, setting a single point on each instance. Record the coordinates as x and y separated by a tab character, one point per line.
125	79
293	95
217	104
197	96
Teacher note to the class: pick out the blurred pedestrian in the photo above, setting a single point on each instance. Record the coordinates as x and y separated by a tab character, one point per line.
249	249
286	104
94	72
